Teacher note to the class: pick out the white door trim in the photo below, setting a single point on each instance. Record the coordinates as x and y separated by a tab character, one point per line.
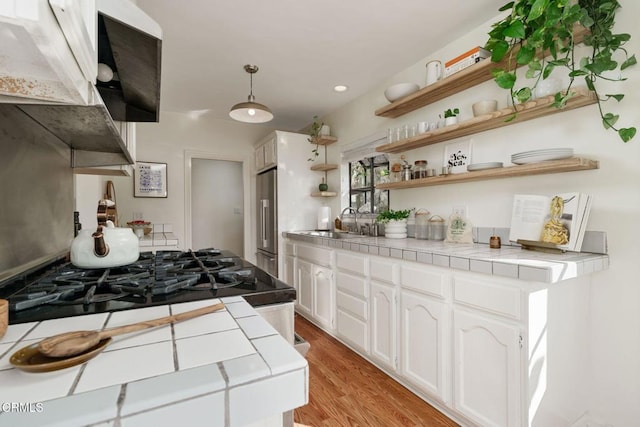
246	183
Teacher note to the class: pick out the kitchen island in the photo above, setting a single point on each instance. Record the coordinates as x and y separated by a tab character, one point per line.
228	368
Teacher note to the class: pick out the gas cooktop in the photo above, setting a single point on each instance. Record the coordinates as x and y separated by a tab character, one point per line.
165	277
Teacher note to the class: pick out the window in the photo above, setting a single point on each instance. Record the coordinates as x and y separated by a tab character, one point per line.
365	174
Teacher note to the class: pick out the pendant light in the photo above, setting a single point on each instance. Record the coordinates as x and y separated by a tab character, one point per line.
251	111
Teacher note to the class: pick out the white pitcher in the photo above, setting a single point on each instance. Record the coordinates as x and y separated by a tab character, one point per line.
434	71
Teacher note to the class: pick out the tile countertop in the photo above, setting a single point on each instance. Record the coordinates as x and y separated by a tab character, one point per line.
227	368
508	261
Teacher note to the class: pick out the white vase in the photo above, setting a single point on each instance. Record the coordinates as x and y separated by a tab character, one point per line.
396	229
448	121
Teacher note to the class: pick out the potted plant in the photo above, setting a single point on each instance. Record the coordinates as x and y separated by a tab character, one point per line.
451	116
535	26
395	222
314	133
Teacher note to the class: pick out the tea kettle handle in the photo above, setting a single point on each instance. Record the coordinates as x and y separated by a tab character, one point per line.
100	248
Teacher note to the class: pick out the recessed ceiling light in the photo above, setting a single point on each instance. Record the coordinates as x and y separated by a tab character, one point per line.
340	88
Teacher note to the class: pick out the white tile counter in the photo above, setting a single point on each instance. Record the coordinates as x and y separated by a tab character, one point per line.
508	261
228	368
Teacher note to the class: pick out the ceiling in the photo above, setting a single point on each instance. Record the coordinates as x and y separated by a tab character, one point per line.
303	48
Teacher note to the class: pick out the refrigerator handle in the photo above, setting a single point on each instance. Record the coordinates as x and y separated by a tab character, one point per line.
265	214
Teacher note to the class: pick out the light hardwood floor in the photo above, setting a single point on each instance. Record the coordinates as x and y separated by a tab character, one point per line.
346	390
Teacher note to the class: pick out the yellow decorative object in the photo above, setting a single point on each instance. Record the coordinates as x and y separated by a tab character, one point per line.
554	231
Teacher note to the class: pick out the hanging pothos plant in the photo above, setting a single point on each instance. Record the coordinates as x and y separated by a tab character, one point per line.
536	26
314	132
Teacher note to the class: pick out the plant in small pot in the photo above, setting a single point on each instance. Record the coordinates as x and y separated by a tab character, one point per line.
395	222
451	116
557	27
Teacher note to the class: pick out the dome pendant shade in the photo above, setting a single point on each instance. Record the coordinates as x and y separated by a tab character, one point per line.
251	111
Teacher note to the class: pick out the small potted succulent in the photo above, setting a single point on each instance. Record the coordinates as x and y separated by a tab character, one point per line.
451	116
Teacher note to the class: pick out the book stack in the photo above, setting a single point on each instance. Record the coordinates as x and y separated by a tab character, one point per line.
465	60
540	219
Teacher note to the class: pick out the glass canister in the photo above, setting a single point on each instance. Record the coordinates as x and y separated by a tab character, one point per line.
419	169
422	224
437	228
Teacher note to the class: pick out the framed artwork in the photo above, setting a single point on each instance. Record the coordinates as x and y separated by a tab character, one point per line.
150	180
457	156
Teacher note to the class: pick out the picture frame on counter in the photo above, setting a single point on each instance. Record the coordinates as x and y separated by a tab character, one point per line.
150	180
457	156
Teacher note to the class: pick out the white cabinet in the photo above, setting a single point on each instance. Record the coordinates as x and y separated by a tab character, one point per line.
265	155
304	279
42	46
424	343
487	386
323	296
384	323
352	309
315	285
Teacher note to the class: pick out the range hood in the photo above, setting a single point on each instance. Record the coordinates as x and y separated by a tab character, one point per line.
129	42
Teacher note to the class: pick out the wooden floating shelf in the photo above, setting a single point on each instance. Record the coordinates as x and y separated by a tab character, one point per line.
530	110
323	167
324	194
541	168
325	140
462	80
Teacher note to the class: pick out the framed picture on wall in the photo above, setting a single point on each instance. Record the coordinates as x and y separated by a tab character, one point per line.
150	180
457	156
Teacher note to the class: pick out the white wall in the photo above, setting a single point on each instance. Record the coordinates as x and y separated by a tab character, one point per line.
174	138
615	293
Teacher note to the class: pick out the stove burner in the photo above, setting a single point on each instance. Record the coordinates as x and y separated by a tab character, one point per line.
61	289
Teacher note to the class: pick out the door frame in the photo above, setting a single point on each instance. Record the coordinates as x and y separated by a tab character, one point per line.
189	155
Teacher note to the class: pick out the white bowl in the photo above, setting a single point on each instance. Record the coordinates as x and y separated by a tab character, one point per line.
484	107
400	90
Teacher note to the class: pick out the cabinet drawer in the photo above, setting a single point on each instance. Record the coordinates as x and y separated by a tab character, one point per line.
318	256
354	285
383	270
354	263
491	297
352	304
423	280
353	330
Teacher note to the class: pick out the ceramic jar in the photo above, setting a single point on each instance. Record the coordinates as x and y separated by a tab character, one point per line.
396	229
437	228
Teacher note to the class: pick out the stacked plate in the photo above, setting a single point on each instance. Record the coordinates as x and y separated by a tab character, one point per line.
541	155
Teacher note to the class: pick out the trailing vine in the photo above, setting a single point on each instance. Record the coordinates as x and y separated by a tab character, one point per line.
536	26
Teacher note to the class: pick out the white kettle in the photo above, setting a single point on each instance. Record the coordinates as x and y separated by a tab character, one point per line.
108	246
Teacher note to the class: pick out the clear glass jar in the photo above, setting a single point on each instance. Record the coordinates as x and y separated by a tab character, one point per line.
419	169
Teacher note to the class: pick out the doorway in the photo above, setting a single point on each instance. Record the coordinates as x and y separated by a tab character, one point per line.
216	200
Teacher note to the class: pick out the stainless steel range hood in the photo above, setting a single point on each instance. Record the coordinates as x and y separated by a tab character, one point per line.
130	43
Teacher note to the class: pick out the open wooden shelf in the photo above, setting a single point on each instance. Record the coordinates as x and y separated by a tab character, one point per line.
530	110
323	167
462	80
325	140
547	167
324	194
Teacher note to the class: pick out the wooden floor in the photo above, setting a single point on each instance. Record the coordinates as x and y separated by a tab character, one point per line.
346	390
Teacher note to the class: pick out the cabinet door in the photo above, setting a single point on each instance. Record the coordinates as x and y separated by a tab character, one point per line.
259	158
323	296
383	323
270	157
487	385
304	280
289	271
423	342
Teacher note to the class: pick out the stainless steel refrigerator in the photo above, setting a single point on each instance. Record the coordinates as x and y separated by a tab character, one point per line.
267	227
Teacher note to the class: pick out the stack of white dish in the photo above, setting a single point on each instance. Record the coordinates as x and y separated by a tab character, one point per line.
535	156
481	166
